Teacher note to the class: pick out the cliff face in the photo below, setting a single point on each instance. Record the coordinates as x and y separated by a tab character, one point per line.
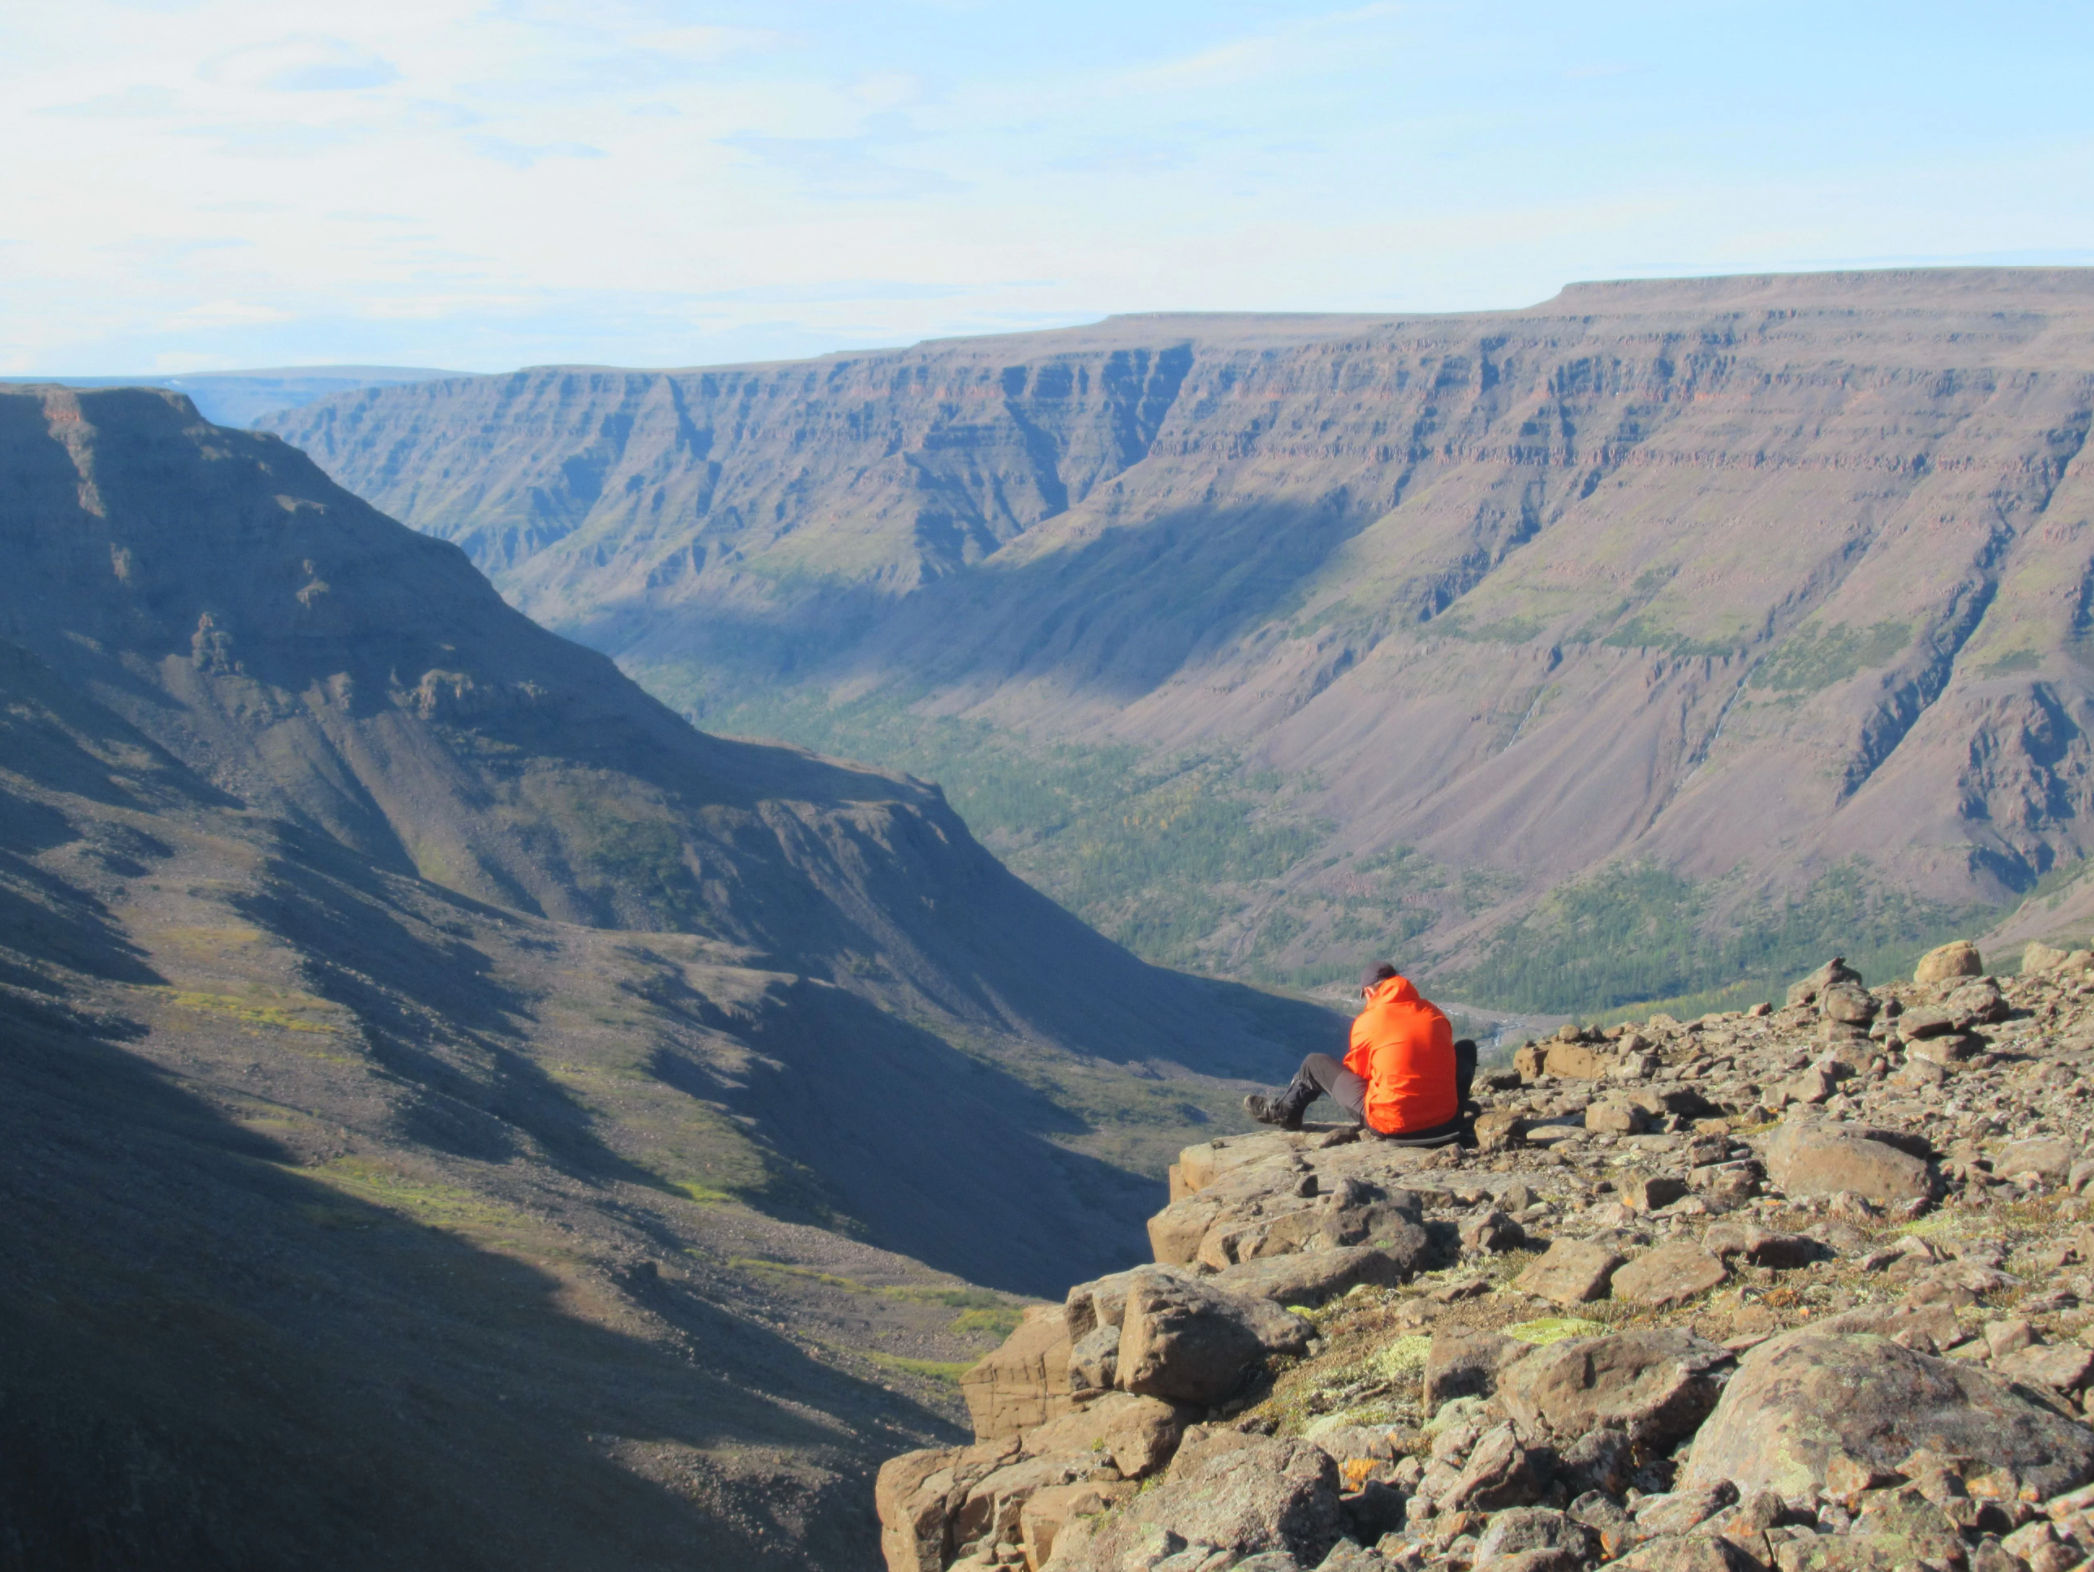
1752	575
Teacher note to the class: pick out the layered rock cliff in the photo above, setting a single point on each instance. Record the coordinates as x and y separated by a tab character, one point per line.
1793	1288
1772	583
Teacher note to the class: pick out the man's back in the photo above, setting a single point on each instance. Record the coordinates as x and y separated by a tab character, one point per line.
1403	1048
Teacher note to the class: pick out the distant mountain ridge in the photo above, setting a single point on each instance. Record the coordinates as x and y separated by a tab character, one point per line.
1772	588
238	398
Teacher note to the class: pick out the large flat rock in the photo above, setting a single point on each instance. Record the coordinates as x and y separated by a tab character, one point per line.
1808	1398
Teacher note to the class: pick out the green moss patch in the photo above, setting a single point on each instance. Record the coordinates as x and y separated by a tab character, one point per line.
1554	1329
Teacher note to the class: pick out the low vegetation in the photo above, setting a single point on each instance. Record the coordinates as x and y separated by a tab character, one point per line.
1635	934
1157	853
1165	856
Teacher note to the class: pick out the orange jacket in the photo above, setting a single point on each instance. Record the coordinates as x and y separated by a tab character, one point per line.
1403	1048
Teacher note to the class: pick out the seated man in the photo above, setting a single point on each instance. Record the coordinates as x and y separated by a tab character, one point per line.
1404	1075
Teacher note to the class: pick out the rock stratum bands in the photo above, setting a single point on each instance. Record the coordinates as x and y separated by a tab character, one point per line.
1759	574
1805	1288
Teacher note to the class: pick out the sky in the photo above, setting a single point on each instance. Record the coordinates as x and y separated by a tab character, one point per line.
482	184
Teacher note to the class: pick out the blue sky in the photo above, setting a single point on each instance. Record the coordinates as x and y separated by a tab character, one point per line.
201	184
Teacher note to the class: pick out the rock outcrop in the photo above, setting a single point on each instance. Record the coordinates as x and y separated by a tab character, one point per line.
1829	1303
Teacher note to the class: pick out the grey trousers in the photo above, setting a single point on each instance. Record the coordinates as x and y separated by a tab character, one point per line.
1337	1083
1349	1092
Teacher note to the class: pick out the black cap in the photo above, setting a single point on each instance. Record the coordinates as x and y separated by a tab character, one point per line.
1379	972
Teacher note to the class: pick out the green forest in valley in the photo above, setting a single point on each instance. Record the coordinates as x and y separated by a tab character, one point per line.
1202	862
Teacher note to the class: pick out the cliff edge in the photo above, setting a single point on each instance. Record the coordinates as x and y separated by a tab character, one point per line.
1807	1287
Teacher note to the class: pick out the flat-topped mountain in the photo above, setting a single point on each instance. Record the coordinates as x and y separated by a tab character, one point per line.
1666	599
454	1113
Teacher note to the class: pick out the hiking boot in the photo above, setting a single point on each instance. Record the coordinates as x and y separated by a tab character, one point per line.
1283	1108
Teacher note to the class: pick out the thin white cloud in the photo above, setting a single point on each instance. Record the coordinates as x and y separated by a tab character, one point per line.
1289	49
227	313
139	101
709	44
845	168
521	155
302	63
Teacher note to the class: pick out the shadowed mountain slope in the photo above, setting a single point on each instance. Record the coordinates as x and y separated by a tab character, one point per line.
455	1114
1774	586
324	665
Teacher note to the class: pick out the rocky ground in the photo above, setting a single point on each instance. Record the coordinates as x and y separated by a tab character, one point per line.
1807	1288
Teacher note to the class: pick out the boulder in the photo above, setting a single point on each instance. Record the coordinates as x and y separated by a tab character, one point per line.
1138	1433
2046	1157
1093	1361
1578	1061
1492	1234
1958	958
1102	1302
1948	1052
1811	1085
1500	1472
1498	1128
1188	1342
1570	1272
1926	1020
1669	1275
2039	957
1686	1553
1208	1162
1833	972
1649	1192
917	1495
1522	1530
2064	1367
1023	1383
1281	1229
1042	1518
1762	1247
1263	1495
1897	1529
1656	1386
1616	1116
1358	1213
1977	1003
1820	1157
1467	1365
990	1513
1849	1003
1809	1396
1312	1276
1268	1199
1176	1231
1602	1459
1682	1511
